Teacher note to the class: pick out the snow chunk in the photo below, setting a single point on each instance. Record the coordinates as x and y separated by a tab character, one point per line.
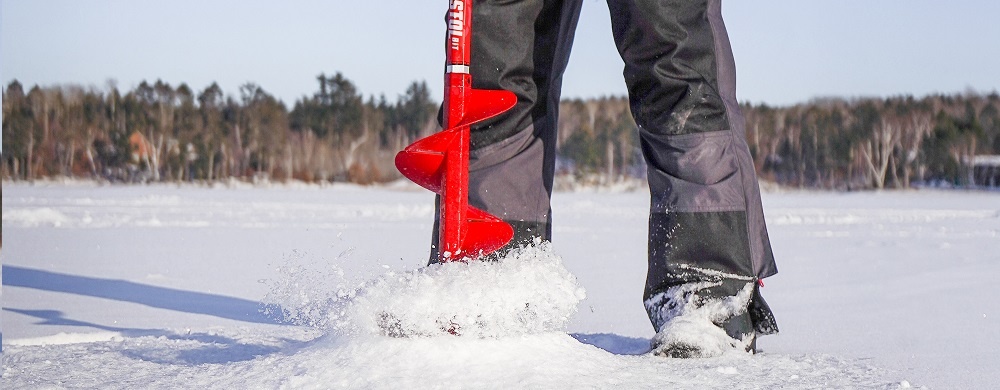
683	321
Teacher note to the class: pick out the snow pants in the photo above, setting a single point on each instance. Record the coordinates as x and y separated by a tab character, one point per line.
706	224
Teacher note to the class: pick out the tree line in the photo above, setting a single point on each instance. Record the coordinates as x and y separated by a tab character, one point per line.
875	143
159	132
829	143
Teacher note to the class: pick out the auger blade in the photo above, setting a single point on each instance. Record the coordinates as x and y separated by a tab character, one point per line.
423	161
483	104
486	233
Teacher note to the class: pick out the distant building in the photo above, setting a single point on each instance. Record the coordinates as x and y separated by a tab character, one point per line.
141	147
986	170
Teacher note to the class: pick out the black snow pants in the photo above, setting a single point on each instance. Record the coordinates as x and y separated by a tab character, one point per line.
706	223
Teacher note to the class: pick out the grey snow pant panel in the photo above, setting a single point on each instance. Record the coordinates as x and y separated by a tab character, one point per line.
706	221
521	46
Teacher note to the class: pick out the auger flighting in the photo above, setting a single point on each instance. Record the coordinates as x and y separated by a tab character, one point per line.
440	162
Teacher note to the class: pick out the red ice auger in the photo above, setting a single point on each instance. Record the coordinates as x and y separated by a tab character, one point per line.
440	162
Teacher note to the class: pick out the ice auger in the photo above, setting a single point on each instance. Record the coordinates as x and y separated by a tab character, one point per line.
440	162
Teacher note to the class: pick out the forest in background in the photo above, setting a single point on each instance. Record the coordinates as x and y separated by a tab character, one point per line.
158	132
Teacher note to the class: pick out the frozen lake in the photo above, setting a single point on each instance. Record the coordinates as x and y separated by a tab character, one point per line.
138	286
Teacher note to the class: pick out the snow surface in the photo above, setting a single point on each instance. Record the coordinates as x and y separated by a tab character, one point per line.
162	287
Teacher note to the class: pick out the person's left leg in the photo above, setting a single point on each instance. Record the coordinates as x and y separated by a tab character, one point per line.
523	47
707	239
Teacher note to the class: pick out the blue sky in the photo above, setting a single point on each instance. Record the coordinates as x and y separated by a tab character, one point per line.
787	51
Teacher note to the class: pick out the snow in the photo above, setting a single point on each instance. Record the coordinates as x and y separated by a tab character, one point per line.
527	292
693	324
161	286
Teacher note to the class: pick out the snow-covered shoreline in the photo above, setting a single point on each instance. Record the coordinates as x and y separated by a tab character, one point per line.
161	282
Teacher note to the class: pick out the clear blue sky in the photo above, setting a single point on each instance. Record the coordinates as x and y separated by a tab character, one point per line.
787	51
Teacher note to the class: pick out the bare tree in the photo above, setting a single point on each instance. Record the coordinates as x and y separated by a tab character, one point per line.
877	150
918	127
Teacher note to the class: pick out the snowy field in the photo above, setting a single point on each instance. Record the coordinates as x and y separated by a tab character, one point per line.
161	287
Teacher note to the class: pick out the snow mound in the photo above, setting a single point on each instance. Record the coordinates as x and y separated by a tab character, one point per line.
529	291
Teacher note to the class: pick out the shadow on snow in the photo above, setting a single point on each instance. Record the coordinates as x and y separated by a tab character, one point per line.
616	344
121	290
187	349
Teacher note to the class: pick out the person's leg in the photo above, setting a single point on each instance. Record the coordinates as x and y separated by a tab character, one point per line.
523	47
707	239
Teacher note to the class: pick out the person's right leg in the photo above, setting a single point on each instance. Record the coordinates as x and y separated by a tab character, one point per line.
707	239
523	47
